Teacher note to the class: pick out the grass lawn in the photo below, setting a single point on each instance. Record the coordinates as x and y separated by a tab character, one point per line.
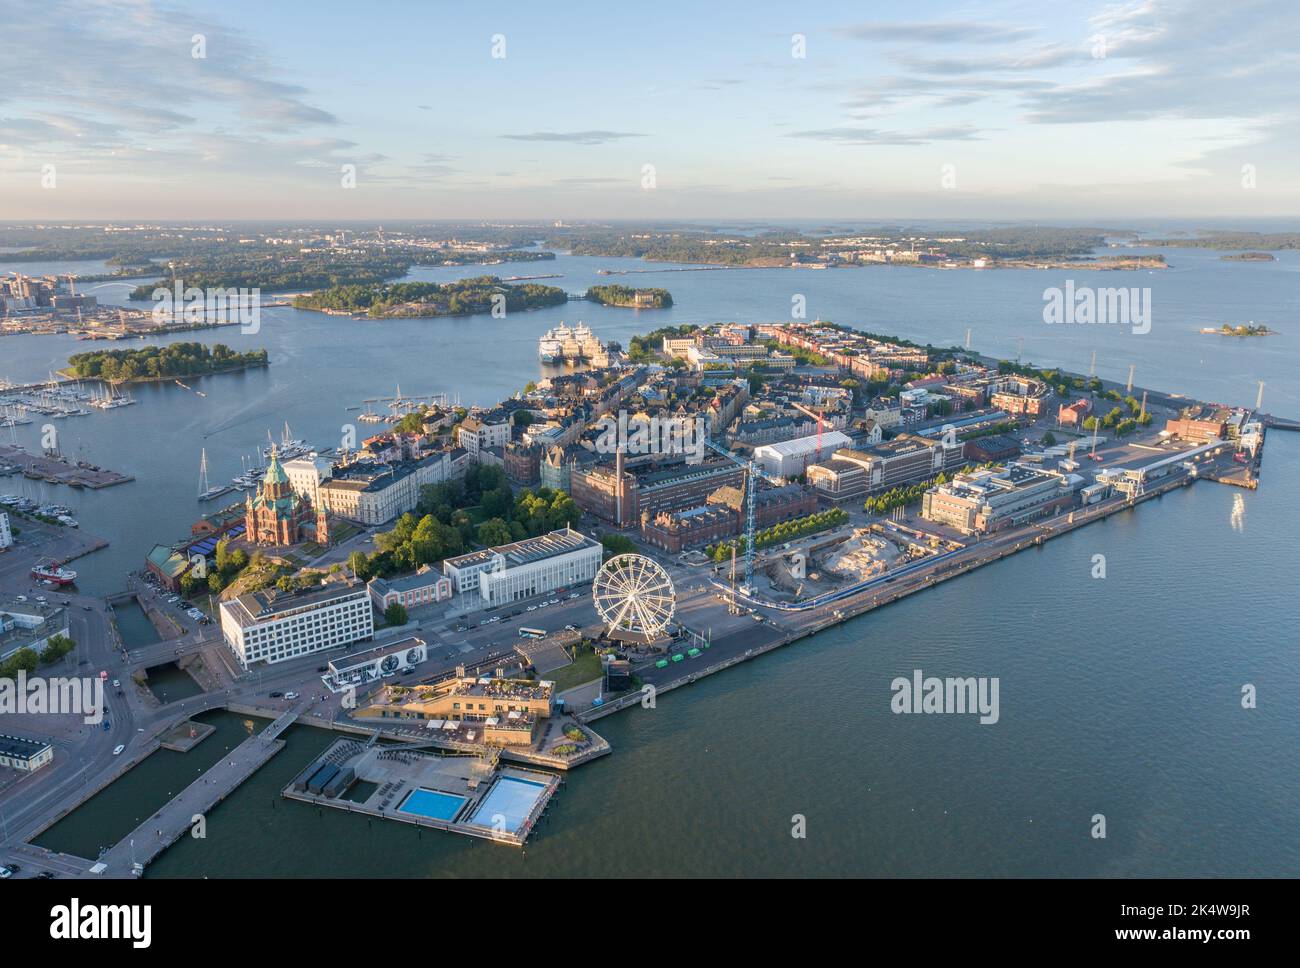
585	669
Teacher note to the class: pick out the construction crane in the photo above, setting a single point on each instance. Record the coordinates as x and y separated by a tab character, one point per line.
819	417
749	493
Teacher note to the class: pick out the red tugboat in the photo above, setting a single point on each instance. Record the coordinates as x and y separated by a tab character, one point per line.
54	573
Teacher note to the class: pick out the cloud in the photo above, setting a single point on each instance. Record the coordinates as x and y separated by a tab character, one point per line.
850	135
937	31
595	137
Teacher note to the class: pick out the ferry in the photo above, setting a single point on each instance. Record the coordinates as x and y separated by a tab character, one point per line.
53	573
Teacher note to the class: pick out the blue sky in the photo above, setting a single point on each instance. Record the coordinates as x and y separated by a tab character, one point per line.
963	110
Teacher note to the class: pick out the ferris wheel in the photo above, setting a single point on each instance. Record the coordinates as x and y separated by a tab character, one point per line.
634	595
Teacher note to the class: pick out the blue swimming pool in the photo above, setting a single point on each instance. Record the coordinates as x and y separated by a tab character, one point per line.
508	803
432	803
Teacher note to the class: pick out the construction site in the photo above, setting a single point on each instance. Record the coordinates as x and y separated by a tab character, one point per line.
824	562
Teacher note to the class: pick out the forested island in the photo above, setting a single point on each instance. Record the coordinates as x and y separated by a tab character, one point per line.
161	362
1249	257
615	295
1256	242
409	299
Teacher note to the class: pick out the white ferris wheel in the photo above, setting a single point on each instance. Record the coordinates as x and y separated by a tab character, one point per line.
634	596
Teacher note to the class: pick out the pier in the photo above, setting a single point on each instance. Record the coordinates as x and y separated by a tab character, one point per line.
135	851
59	470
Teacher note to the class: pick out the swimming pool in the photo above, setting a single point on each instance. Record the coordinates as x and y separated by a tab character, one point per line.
508	803
433	804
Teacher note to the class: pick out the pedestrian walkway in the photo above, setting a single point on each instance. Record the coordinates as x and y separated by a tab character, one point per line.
174	820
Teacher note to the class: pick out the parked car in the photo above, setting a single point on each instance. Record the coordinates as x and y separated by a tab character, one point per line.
117	750
116	683
5	872
290	695
277	695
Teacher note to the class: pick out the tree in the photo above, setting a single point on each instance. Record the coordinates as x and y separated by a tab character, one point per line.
395	614
1049	439
617	544
494	531
359	565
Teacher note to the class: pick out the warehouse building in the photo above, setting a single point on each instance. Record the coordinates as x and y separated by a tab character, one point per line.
790	458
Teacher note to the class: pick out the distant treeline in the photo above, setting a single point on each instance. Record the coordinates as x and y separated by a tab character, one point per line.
460	298
159	362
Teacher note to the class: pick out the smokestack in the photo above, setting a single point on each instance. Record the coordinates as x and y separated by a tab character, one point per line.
618	487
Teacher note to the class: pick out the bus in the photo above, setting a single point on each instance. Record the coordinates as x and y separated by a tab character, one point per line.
527	633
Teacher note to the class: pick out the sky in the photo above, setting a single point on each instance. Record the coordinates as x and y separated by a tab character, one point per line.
672	110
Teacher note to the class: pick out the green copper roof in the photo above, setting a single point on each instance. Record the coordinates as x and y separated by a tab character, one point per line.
275	473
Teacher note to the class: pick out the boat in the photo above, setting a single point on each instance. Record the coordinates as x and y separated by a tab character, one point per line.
52	572
207	493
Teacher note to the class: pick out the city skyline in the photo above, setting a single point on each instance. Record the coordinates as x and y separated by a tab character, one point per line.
936	110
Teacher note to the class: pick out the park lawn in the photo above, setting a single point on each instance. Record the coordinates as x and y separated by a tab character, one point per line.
584	670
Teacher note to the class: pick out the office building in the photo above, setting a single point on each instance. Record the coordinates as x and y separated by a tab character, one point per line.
524	569
272	626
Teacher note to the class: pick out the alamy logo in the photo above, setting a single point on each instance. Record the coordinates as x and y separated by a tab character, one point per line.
655	435
58	696
930	694
195	306
75	922
1084	305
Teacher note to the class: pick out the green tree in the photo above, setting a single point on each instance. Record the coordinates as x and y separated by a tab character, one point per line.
395	614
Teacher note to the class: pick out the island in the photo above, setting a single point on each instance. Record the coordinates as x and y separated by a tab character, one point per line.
1229	330
615	295
1249	257
464	297
160	362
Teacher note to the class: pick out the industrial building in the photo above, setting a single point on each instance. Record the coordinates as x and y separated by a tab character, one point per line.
790	458
271	625
989	500
621	499
523	569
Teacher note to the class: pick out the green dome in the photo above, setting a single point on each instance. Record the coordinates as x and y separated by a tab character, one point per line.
275	473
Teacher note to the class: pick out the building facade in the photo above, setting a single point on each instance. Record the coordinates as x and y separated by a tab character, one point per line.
426	587
524	569
272	626
6	532
24	755
987	501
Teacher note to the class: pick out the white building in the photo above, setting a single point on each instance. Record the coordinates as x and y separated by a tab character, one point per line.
790	458
6	533
29	625
378	493
477	435
271	626
523	569
306	475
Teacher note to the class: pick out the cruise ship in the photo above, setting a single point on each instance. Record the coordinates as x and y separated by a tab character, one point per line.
565	345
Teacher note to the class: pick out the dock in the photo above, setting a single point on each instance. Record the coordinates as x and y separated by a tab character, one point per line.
59	470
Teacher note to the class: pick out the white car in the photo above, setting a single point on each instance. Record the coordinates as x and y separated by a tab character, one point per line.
117	750
116	683
290	695
532	608
5	872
